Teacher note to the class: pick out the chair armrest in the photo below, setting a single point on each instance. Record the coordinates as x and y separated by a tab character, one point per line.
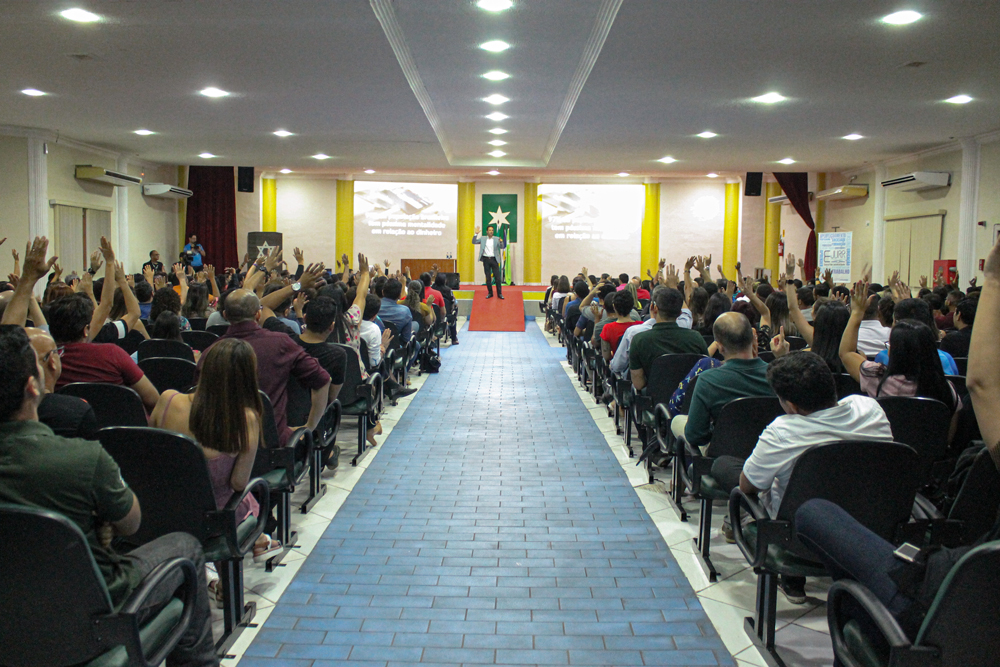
661	423
223	522
700	466
682	459
128	617
846	590
751	503
373	387
924	509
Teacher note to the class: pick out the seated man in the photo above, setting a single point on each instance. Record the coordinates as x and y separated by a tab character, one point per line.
571	313
441	285
664	337
394	313
612	332
957	342
69	324
144	294
807	392
67	416
742	374
79	480
872	336
620	363
320	314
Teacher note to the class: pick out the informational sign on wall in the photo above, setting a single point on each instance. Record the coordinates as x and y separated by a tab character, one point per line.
834	252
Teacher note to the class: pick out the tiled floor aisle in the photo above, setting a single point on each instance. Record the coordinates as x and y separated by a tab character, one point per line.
495	527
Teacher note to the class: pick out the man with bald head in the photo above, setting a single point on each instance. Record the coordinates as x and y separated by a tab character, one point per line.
68	416
742	374
279	358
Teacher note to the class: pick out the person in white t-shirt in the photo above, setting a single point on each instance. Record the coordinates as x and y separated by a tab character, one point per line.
807	392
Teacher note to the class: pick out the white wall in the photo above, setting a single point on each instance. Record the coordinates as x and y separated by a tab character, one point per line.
307	217
856	216
152	221
692	220
13	199
988	209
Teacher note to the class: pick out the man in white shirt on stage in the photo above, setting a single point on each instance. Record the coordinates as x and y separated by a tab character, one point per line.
491	254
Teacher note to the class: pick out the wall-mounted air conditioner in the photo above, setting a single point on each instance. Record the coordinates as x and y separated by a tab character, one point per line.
919	180
86	172
783	199
165	191
844	192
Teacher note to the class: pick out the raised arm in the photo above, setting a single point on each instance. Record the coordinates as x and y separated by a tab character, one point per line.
794	313
849	355
132	311
212	285
364	278
35	267
107	292
984	357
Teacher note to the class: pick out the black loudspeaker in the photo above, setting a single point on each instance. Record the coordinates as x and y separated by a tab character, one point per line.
244	179
754	181
453	280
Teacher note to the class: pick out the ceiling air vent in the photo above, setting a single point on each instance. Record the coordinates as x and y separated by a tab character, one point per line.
86	172
165	191
919	180
844	192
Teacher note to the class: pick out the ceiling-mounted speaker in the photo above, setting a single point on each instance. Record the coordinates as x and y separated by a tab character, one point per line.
753	184
244	179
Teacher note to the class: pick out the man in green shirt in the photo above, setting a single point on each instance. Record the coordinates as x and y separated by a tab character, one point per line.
664	338
743	374
81	481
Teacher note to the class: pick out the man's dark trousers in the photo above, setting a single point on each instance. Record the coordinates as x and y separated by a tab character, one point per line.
492	270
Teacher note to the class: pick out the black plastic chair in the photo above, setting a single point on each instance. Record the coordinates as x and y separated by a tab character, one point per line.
921	423
169	373
962	363
199	340
218	329
160	347
360	398
973	510
958	381
169	474
875	482
57	608
197	323
666	374
960	630
736	432
847	386
766	355
113	404
325	452
796	343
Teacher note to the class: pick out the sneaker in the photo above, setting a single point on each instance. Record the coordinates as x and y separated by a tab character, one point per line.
402	391
794	590
727	531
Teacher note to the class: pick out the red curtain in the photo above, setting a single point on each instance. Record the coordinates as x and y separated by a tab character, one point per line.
796	187
211	214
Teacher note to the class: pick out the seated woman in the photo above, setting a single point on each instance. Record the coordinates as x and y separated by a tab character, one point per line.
223	415
166	298
196	304
167	326
423	313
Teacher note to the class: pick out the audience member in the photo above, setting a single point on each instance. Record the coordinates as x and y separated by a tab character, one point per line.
612	332
664	337
67	416
917	309
956	343
321	314
394	313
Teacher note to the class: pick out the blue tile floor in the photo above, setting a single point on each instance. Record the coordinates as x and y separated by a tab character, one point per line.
495	527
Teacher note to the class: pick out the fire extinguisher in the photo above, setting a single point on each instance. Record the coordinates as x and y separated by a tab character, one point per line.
781	245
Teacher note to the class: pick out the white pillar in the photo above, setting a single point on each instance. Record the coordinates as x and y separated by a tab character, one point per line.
878	225
38	189
967	209
121	218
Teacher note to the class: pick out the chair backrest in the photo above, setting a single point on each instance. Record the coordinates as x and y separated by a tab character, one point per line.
365	358
978	499
199	340
962	363
198	323
921	423
796	343
847	386
958	381
113	404
962	620
298	404
268	427
159	347
686	403
218	329
875	482
352	376
766	355
168	473
51	590
329	425
169	373
740	424
667	372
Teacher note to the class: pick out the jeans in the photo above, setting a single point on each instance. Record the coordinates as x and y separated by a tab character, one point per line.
196	647
726	471
492	269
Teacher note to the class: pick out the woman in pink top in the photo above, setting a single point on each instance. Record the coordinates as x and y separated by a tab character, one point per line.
223	415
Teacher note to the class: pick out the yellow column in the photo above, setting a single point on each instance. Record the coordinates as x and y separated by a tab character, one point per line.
345	219
772	231
532	241
731	233
269	204
649	253
466	229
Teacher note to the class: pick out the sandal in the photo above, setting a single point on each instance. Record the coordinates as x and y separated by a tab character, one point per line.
260	553
215	589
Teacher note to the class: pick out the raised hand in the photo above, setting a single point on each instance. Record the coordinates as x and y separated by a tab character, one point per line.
147	273
106	250
86	284
923	282
802	264
178	269
672	280
779	345
730	289
345	261
386	264
972	283
689	264
57	270
13	251
158	283
649	273
95	261
718	268
663	263
273	259
311	275
299	257
210	271
363	264
299	303
860	298
828	277
699	263
35	264
790	265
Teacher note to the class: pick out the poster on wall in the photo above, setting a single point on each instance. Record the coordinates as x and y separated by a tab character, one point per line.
834	251
395	220
596	226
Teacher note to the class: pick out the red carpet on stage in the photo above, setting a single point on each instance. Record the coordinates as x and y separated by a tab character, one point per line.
496	315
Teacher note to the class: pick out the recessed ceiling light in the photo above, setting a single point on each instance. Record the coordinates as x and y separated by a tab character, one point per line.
79	15
282	133
787	160
495	46
286	171
497	116
712	175
769	98
623	174
498	130
369	171
495	5
321	156
496	153
493	173
707	134
496	75
205	155
902	18
498	142
213	92
496	99
853	137
33	92
144	133
667	160
958	99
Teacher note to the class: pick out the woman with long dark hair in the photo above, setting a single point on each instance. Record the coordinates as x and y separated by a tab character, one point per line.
196	303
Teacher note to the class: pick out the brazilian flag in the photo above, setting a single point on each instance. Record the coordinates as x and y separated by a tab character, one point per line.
501	212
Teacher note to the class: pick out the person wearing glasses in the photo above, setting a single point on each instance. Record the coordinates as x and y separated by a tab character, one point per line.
67	416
